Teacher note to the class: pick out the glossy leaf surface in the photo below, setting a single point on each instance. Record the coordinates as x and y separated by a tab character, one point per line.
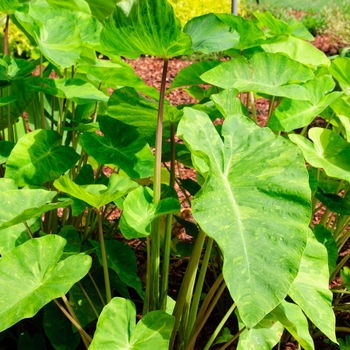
35	284
38	157
120	145
243	207
272	74
139	212
328	151
294	114
209	34
300	51
97	195
17	206
310	288
144	27
153	331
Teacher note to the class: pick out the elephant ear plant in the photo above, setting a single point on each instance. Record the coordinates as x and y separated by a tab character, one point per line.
88	181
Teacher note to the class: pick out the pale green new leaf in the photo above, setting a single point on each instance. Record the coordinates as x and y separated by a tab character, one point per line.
328	151
293	114
139	212
153	331
249	194
310	288
300	51
293	319
31	276
120	145
17	206
209	34
97	195
101	9
272	74
340	69
38	157
144	27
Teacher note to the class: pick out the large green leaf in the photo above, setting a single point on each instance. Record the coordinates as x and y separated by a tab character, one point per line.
257	184
272	74
9	6
328	151
300	51
122	260
15	235
310	288
120	145
209	34
139	212
74	89
101	9
97	195
144	27
293	319
129	107
38	157
243	26
265	335
278	27
17	206
340	69
153	331
190	75
294	114
31	276
17	69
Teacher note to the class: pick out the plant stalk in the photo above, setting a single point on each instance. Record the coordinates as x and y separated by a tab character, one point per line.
153	278
6	35
104	257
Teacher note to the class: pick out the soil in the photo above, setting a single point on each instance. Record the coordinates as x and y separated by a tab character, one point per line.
150	69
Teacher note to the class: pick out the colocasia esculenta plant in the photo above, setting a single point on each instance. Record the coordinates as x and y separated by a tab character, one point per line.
68	277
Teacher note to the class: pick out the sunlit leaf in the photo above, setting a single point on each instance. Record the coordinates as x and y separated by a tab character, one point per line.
38	157
28	286
153	331
144	27
239	204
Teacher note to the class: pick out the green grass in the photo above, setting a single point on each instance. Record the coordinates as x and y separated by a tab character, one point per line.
304	5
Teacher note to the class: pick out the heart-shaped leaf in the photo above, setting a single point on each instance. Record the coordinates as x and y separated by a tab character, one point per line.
243	207
329	151
153	331
139	212
120	145
272	74
34	285
300	51
294	114
209	34
97	195
38	157
17	206
144	27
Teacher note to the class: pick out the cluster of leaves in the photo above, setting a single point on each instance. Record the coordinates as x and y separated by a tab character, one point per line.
252	203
